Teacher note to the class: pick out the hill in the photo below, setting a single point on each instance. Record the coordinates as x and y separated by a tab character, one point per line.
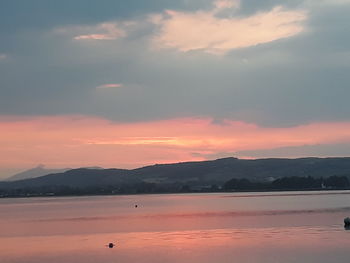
38	171
177	176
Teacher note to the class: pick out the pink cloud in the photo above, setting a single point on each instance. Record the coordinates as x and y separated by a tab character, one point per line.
223	4
203	30
73	141
103	31
95	37
110	86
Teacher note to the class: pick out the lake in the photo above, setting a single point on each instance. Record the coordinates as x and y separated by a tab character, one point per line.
221	227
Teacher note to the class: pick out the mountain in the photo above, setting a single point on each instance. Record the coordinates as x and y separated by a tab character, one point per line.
171	177
38	171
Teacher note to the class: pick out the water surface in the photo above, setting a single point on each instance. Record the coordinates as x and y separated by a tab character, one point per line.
246	227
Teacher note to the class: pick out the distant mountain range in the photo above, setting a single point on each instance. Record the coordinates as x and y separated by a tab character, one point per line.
181	175
38	171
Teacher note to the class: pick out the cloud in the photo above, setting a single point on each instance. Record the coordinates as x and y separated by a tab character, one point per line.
3	56
203	30
298	80
223	4
140	141
102	31
95	37
328	2
318	150
106	31
74	141
110	86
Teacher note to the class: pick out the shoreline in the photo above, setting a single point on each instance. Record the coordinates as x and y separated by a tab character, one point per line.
291	191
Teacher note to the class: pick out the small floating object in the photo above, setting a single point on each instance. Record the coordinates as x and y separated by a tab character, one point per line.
135	206
347	223
110	245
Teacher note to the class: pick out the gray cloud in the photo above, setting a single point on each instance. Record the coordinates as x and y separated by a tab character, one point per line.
322	150
287	82
317	150
38	14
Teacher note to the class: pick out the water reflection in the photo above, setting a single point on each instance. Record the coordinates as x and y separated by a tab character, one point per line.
176	228
219	245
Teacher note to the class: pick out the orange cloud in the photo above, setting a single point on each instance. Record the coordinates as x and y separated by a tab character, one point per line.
203	30
75	141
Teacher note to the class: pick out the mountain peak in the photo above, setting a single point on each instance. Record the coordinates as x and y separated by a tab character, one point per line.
37	171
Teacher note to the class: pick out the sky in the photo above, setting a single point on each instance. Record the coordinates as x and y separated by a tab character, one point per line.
125	84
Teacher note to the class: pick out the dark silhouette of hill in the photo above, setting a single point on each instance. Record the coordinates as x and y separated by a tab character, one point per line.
37	171
82	177
221	170
186	175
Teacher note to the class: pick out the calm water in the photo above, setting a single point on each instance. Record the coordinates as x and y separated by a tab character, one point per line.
255	227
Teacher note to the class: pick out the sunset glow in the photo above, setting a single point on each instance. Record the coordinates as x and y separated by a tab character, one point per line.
81	140
171	131
130	84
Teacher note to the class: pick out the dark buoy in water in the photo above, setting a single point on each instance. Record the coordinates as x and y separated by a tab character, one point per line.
347	223
110	245
135	206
